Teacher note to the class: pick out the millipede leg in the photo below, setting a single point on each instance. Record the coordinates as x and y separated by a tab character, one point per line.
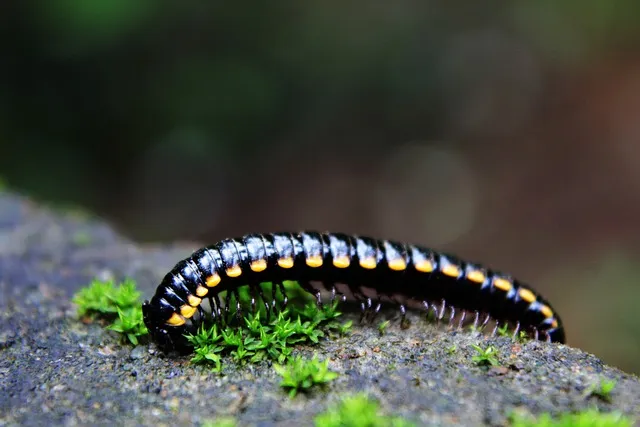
285	297
495	329
425	304
214	314
335	295
273	305
219	309
536	334
264	301
516	330
214	303
307	287
374	310
366	310
475	319
227	303
167	342
435	311
253	292
462	317
201	313
378	307
404	322
363	311
443	307
486	320
452	315
548	336
238	305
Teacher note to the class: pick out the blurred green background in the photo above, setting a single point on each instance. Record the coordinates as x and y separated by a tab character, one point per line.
504	132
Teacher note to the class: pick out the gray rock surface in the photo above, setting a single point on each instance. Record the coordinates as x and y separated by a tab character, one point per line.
54	369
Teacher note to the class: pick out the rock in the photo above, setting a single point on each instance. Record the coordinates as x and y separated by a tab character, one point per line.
55	370
138	352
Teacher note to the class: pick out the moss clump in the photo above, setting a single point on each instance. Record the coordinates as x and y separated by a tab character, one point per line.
118	305
358	411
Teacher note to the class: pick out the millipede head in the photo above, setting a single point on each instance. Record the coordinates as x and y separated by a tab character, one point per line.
168	338
153	322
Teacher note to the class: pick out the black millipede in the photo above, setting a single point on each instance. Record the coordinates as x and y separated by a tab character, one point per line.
372	271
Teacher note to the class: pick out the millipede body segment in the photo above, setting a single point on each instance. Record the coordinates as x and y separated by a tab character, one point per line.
371	270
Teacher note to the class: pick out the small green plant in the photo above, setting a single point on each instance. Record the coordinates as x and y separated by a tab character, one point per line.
382	327
256	338
130	324
345	327
358	411
119	305
103	297
300	374
589	418
452	349
602	389
505	331
220	422
485	356
522	337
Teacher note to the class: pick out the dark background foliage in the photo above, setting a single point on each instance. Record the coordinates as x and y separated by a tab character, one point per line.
505	132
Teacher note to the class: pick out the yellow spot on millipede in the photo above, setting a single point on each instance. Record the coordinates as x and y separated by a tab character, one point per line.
554	324
187	311
176	320
341	262
451	270
424	266
234	271
258	265
502	284
476	276
213	280
194	301
201	291
368	263
397	264
526	295
546	311
285	262
314	261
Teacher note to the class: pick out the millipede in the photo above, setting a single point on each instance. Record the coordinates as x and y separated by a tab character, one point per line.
368	271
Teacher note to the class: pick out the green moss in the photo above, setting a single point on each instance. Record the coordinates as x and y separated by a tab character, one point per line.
358	411
119	305
485	356
382	327
505	331
300	374
220	422
130	324
589	418
602	389
265	336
